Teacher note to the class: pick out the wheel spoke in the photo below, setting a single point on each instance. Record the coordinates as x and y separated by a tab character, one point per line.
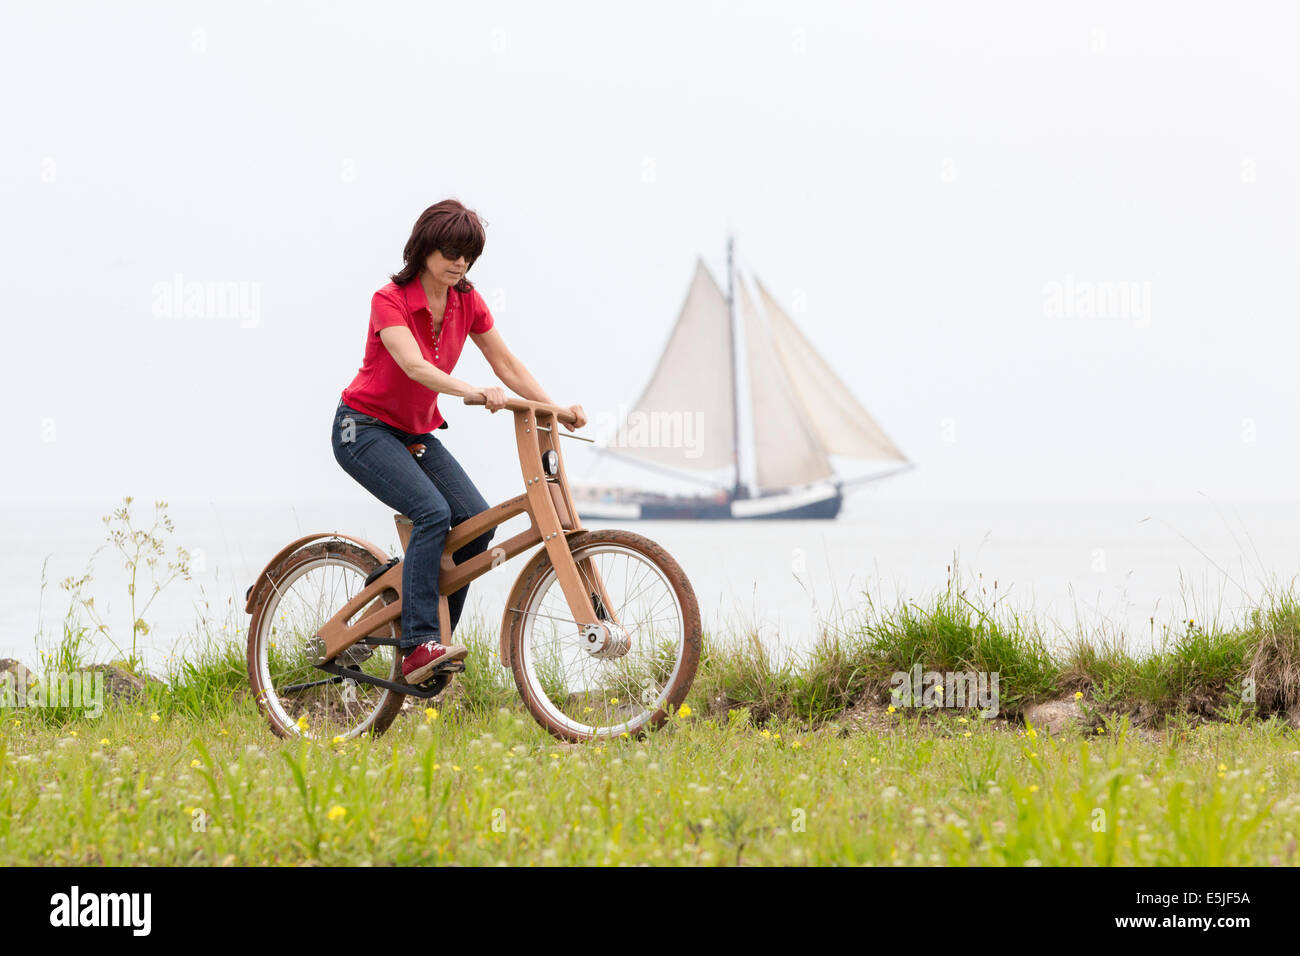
588	696
298	695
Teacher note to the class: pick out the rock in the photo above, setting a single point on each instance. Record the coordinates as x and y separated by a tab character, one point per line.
1054	716
15	678
121	685
23	675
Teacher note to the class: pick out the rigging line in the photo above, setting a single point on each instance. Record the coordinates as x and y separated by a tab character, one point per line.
861	479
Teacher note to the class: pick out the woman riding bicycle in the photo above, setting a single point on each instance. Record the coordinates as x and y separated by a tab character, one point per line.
418	326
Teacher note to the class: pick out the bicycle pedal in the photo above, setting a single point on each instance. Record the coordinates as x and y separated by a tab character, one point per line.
439	679
451	667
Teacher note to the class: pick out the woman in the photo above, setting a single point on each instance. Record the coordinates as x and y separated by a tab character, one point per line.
418	326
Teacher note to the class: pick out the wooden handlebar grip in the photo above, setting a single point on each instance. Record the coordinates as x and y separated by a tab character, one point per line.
517	405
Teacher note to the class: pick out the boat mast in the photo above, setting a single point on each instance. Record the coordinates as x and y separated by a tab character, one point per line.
735	380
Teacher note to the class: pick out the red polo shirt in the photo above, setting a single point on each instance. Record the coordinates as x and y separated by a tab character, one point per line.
380	387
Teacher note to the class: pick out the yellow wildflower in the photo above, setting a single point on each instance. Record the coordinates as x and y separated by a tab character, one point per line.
337	813
302	723
430	714
1078	695
684	711
155	718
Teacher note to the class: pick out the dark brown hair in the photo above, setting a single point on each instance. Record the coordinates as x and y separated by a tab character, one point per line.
446	227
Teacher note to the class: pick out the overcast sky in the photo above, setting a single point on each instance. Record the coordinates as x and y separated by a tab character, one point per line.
945	190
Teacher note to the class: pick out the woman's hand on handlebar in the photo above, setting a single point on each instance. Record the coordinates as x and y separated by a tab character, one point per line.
578	414
494	397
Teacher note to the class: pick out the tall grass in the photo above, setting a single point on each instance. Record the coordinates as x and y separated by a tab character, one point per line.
1201	671
1205	672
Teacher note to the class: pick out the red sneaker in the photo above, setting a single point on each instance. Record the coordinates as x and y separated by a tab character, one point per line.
420	663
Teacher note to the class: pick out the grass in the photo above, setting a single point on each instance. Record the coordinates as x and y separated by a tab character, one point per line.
1203	672
489	787
762	770
1190	756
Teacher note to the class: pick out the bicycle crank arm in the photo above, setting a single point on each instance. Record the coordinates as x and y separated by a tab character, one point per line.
424	691
308	685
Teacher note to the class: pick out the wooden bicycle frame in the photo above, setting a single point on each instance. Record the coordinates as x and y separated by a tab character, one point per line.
547	502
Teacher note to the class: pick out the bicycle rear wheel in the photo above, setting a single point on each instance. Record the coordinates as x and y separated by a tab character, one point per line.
579	696
298	699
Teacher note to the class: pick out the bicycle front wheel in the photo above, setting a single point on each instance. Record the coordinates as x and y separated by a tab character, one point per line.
577	695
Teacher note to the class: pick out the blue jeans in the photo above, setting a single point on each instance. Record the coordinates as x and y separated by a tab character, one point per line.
433	491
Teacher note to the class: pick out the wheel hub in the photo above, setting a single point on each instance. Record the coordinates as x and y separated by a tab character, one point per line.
606	640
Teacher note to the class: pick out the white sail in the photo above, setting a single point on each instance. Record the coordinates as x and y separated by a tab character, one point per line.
775	405
842	426
685	417
786	451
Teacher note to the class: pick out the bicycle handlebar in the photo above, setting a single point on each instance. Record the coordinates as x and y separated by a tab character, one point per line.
523	405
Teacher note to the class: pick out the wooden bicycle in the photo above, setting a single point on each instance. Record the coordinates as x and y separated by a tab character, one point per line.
601	630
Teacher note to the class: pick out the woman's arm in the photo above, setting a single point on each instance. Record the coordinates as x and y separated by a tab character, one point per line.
515	374
405	351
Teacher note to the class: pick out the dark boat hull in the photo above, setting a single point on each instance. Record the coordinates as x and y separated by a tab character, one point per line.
751	509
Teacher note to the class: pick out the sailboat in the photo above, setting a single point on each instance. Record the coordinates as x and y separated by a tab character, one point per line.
741	414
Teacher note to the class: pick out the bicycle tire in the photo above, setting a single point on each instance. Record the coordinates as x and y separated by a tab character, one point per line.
345	552
525	592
